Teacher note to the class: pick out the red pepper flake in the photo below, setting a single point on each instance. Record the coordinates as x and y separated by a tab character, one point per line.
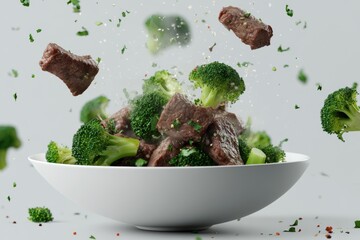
74	233
117	234
318	225
328	236
329	229
277	234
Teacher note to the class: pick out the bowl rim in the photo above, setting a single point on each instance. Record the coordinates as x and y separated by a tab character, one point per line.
39	158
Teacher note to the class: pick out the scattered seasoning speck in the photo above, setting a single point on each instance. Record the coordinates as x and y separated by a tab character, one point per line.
247	15
76	5
14	222
302	77
14	73
14	184
318	225
274	69
123	49
99	23
32	75
198	238
319	87
295	223
296	107
291	229
244	64
347	232
197	127
38	30
154	64
286	65
40	224
357	223
82	33
8	198
98	60
25	3
299	230
92	237
31	39
117	234
15	96
328	236
329	229
289	11
280	49
212	47
74	233
277	234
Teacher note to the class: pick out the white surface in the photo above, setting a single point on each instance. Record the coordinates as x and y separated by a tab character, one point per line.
176	198
328	50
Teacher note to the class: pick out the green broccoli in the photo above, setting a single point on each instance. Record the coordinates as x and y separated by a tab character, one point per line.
40	214
273	154
244	149
59	154
94	108
256	156
93	145
340	113
258	139
165	31
219	84
162	81
146	110
191	156
8	139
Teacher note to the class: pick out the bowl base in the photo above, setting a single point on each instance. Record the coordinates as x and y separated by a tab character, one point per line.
174	229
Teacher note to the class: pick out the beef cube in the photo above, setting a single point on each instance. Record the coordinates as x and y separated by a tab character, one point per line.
77	72
167	149
183	120
232	118
221	142
119	122
250	30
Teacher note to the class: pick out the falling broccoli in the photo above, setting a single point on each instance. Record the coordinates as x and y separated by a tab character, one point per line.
165	31
93	145
164	82
59	154
340	113
191	156
94	108
8	139
219	84
40	214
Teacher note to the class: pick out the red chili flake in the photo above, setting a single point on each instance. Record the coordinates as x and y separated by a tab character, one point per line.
277	234
117	234
74	233
328	236
318	225
329	229
14	222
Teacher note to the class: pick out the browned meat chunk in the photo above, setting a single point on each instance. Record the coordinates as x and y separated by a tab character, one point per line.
77	72
119	122
183	120
221	142
232	118
250	30
167	149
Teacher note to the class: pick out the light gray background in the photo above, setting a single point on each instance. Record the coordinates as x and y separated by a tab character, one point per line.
328	50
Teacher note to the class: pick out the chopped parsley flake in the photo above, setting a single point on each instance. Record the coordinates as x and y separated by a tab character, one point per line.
170	147
123	49
244	64
92	237
289	11
14	184
76	5
282	142
280	49
274	69
197	102
295	223
119	22
99	23
297	23
357	223
98	60
124	13
296	107
32	75
25	3
154	64
286	65
305	25
38	30
197	127
31	39
84	32
15	96
302	76
212	47
176	123
14	73
247	15
9	198
319	87
291	229
140	162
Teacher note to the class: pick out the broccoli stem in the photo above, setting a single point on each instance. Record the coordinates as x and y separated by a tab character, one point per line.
119	147
353	124
256	156
3	158
210	97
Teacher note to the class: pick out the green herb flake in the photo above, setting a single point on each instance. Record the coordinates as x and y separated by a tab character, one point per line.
92	237
119	23
291	229
123	49
296	107
76	5
305	25
125	13
282	142
154	64
170	148
15	96
302	77
32	75
247	15
84	32
98	60
244	64
319	87
212	47
198	238
280	49
176	124
140	162
357	224
295	223
203	21
31	39
14	73
38	30
14	184
298	23
99	23
289	11
197	127
197	102
274	69
25	3
9	198
286	65
191	142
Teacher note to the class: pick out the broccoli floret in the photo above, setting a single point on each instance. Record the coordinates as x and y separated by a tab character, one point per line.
93	145
162	81
258	139
244	149
165	31
256	156
40	214
191	156
8	139
219	83
59	154
145	114
340	112
273	154
94	108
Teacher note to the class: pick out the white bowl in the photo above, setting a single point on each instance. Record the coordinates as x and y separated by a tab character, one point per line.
173	198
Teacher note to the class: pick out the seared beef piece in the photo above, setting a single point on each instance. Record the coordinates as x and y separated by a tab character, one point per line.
77	72
232	118
167	149
183	120
250	30
221	142
119	121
